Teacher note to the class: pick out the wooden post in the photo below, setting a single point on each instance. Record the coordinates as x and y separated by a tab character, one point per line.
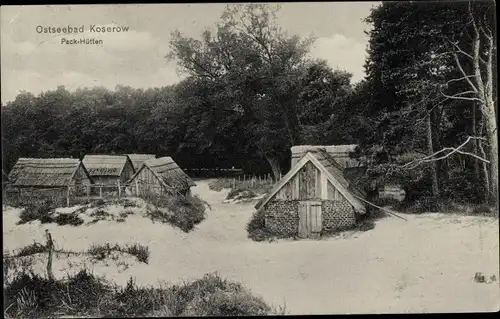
119	190
136	188
253	181
100	190
234	183
50	249
67	197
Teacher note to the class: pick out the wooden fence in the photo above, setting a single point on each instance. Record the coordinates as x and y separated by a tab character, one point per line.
71	195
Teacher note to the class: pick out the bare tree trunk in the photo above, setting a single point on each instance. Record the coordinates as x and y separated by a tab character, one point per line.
477	169
275	166
493	141
430	151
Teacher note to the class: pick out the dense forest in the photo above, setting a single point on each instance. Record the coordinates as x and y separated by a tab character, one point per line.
424	116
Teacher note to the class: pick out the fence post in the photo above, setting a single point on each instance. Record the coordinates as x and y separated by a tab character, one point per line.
50	248
119	190
234	183
136	188
100	190
67	197
253	180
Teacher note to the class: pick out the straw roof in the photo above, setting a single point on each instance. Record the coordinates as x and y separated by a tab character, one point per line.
168	172
54	172
138	159
105	165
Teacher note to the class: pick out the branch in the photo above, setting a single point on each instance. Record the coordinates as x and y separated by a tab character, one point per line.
458	97
459	79
432	158
463	72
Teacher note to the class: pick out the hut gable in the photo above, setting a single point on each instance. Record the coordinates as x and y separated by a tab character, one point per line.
108	165
167	172
46	172
316	176
340	153
138	159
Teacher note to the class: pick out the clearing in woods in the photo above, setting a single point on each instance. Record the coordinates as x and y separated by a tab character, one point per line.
426	264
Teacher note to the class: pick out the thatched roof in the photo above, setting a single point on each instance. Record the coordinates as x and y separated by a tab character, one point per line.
52	172
138	159
339	152
105	165
168	172
334	168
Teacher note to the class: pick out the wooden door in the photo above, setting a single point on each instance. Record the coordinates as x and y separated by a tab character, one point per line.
310	220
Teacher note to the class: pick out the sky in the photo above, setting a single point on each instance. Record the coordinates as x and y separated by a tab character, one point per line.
36	62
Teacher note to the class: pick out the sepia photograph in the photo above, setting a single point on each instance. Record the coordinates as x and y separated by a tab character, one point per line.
249	159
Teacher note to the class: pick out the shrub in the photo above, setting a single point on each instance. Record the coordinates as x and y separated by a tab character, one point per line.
256	227
69	219
102	251
483	210
86	295
182	212
38	210
214	296
98	203
141	252
241	193
34	297
32	249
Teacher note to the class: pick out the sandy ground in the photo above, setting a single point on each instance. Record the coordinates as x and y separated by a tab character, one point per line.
426	264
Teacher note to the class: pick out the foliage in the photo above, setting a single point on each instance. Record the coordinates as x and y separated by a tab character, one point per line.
37	210
89	296
240	193
411	72
32	249
102	251
256	227
68	219
180	211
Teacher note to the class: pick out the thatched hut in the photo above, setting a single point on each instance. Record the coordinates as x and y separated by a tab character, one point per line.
138	159
160	176
109	169
50	173
315	196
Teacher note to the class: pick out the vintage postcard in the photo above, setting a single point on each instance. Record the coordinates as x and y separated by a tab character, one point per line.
240	159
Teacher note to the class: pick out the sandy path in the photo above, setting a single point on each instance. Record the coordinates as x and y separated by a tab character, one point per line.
423	265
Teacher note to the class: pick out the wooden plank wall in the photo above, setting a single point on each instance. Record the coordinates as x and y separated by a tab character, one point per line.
306	185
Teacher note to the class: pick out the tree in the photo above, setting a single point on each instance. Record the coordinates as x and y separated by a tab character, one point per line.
258	66
418	69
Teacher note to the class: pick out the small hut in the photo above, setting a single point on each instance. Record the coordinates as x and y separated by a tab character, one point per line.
315	196
160	176
138	159
50	173
109	169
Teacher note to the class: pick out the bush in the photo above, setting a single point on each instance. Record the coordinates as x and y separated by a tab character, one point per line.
214	296
37	210
141	252
256	227
98	203
68	219
182	212
32	296
85	295
32	249
241	193
102	251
